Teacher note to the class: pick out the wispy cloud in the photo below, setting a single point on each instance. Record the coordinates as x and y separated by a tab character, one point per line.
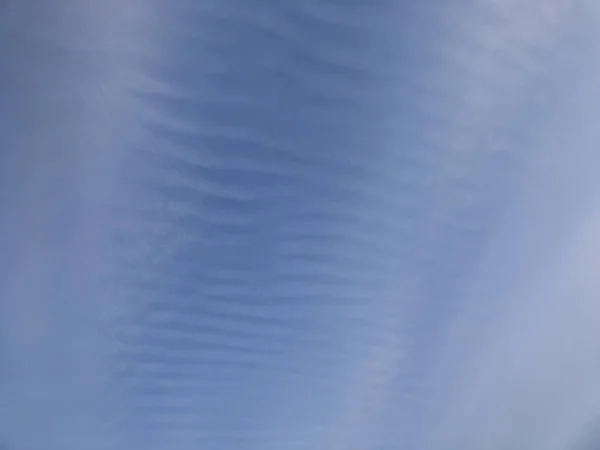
305	226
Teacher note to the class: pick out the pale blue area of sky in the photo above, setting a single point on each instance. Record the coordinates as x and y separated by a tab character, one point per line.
277	224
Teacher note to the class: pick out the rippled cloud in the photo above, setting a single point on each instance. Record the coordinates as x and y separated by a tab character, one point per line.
292	225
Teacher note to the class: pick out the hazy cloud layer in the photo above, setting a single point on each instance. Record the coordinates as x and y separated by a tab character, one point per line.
299	224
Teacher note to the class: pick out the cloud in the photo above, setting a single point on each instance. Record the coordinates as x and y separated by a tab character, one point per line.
310	227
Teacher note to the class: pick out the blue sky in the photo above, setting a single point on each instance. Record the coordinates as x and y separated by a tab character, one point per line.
299	224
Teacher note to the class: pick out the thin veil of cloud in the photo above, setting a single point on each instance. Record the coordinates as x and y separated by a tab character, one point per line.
292	225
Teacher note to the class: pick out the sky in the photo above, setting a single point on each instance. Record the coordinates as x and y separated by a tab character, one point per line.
288	225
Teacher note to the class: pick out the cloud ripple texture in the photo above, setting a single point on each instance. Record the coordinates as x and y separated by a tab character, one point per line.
299	225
